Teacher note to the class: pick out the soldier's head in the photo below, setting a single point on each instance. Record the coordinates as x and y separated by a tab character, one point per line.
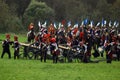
53	40
31	28
31	24
7	36
15	38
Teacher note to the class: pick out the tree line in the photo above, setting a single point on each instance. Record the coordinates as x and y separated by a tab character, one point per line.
16	15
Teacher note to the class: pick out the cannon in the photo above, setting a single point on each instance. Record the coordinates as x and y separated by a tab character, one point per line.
34	50
66	53
71	53
30	50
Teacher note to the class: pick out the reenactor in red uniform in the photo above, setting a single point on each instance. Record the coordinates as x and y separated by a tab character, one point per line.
31	26
6	46
54	50
118	47
44	45
108	52
16	47
31	33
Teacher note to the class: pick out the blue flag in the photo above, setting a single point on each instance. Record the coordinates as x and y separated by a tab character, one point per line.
85	21
102	23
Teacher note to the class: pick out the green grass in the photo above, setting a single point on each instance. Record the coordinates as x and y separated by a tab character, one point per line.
21	37
35	70
23	69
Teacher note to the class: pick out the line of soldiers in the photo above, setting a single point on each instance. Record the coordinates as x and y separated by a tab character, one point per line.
6	47
92	37
98	38
43	40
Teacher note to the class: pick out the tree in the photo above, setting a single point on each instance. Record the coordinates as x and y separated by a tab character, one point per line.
104	8
4	15
111	1
38	11
75	10
58	6
115	10
18	7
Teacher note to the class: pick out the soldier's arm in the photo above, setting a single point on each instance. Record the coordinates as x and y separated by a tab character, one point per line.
11	42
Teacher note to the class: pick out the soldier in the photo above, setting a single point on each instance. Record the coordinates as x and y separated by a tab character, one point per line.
118	47
16	47
118	52
6	46
44	52
108	52
31	33
44	46
83	47
31	26
54	49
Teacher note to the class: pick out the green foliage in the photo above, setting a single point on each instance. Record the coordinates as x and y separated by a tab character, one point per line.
80	9
77	12
18	7
14	24
115	10
111	1
4	14
8	20
38	11
14	13
4	10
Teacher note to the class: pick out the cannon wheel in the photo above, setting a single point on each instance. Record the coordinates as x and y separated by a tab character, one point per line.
64	53
76	52
22	52
32	52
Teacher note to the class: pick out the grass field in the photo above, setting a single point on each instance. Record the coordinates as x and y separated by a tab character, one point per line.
24	69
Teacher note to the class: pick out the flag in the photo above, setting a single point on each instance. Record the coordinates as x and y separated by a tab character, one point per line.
69	23
85	21
82	23
102	23
91	24
98	24
76	25
55	25
110	24
105	22
39	24
59	25
44	25
117	24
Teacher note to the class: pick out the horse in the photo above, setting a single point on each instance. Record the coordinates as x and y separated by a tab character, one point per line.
30	36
